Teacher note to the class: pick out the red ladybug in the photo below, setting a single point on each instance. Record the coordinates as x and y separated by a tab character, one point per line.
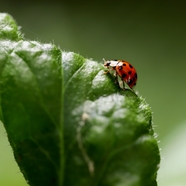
124	70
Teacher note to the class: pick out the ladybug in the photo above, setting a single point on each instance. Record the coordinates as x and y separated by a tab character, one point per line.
124	70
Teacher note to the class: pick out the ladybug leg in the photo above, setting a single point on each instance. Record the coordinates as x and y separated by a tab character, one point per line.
120	82
106	72
123	85
116	80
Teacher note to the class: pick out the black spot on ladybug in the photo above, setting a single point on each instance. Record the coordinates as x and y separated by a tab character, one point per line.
130	81
129	72
113	68
123	75
120	67
136	75
130	66
124	64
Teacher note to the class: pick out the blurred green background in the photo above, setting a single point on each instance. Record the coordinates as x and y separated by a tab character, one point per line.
151	35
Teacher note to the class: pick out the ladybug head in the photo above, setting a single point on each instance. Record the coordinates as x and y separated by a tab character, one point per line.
106	63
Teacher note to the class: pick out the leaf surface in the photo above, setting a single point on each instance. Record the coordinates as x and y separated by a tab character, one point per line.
68	123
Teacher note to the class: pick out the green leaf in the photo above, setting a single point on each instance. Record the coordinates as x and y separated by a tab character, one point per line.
68	123
8	28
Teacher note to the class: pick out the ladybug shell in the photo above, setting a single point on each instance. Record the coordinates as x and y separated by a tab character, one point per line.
127	73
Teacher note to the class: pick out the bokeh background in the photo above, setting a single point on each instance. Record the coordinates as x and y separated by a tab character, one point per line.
151	35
